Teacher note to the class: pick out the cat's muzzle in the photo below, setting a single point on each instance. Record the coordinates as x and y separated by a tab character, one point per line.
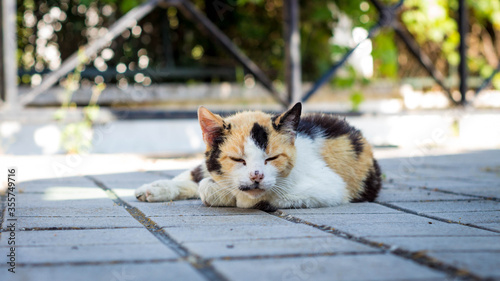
253	190
255	185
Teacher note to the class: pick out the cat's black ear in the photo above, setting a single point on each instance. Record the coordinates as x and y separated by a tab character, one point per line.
212	125
289	121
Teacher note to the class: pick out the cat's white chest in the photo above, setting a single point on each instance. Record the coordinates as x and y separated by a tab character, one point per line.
311	182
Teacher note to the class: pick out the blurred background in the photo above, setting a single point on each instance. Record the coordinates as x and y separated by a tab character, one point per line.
87	83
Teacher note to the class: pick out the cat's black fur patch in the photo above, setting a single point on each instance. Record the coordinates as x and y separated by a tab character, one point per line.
328	126
372	183
197	174
213	164
356	141
324	125
265	206
291	117
260	136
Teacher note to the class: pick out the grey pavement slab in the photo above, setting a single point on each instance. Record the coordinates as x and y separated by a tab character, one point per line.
270	247
40	186
82	237
108	272
75	222
236	220
137	176
352	267
244	232
253	245
194	208
484	264
396	226
440	183
92	253
130	180
471	217
346	219
64	200
72	211
485	191
492	226
446	207
443	243
351	208
416	194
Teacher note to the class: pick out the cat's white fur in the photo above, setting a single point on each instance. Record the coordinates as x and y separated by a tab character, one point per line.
311	183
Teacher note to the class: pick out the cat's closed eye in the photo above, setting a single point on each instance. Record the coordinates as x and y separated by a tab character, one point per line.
239	160
271	159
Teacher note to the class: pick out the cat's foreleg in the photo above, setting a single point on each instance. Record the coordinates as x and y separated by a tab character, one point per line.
213	195
183	186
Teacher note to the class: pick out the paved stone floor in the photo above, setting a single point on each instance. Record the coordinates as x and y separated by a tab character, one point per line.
437	218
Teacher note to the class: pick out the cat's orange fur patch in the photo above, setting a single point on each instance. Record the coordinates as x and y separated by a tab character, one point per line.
343	160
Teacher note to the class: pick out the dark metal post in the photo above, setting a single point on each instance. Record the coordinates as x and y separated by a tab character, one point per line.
462	67
8	47
293	74
190	11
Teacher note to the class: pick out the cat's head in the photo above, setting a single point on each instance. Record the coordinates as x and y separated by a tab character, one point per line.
250	151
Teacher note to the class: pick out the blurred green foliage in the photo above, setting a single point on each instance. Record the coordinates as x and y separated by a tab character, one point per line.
256	27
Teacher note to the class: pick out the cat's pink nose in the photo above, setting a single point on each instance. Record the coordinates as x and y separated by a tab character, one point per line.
256	176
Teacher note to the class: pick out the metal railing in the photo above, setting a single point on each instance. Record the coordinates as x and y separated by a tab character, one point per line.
387	19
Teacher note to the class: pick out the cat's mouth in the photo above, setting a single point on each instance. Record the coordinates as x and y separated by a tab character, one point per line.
255	192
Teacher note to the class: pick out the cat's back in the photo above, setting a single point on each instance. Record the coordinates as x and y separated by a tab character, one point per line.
345	151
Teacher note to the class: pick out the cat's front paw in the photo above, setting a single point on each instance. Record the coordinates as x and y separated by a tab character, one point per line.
212	195
158	191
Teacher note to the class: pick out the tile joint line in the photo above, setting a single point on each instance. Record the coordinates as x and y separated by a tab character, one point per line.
417	257
408	211
203	266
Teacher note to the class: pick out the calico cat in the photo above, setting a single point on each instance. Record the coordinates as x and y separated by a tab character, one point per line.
256	160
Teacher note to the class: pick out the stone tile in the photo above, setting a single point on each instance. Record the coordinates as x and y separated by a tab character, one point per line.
135	177
484	264
235	220
131	272
82	237
493	226
415	194
91	253
73	211
41	186
443	243
439	183
463	217
91	200
486	191
75	222
130	180
343	219
351	208
471	217
415	228
186	208
445	207
244	232
350	267
265	247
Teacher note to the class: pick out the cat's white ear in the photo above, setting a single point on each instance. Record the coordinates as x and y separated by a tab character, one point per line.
288	121
212	125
